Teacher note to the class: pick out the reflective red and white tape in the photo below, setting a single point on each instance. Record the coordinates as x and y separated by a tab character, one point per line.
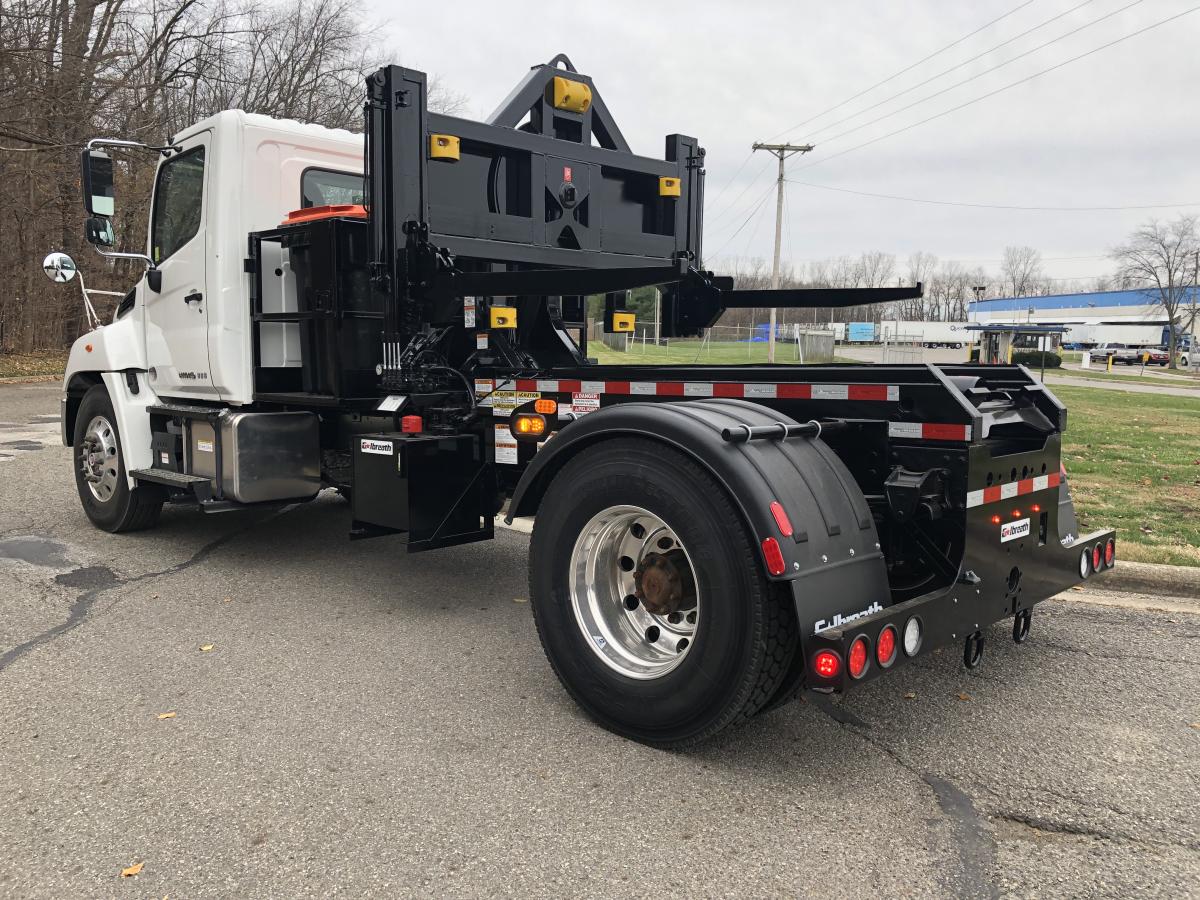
786	391
929	431
999	492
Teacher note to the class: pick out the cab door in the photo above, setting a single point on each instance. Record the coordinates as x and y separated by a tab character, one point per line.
176	317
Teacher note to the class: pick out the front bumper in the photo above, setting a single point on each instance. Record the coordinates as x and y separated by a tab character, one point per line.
993	585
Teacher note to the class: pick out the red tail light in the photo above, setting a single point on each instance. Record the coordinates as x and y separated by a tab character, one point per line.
411	424
773	555
856	659
1110	552
885	646
781	518
827	664
1097	558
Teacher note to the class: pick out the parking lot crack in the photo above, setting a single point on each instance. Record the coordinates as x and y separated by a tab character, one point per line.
84	602
972	837
1051	827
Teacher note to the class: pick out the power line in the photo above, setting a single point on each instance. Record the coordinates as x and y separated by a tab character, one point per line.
719	214
994	68
965	62
908	68
1000	90
733	178
753	212
842	190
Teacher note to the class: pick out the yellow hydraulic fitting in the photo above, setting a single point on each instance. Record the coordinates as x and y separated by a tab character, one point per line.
502	317
443	146
622	323
573	96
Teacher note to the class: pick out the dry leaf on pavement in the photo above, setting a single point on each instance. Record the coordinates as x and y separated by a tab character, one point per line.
962	696
132	870
910	696
167	715
204	648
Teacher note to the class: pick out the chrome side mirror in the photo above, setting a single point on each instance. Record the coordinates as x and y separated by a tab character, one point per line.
59	267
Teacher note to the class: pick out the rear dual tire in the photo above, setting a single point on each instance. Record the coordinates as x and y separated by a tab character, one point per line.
743	640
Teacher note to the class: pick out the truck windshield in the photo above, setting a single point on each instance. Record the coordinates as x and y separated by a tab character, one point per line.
177	203
323	187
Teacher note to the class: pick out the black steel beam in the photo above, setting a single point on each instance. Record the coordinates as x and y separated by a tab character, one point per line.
816	298
545	282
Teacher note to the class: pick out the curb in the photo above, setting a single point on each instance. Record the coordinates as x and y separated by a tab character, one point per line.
30	379
1150	578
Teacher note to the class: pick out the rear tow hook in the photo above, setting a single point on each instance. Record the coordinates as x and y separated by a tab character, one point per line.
1021	626
973	650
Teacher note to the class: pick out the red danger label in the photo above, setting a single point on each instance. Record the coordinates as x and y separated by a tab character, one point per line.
566	173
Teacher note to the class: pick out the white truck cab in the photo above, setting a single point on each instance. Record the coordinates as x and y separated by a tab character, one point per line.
229	175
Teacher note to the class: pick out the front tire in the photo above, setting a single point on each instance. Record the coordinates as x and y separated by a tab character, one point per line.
100	475
668	669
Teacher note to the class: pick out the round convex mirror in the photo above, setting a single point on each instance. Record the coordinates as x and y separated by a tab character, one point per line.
59	267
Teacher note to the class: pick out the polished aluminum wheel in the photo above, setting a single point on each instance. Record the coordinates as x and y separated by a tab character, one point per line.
634	592
99	458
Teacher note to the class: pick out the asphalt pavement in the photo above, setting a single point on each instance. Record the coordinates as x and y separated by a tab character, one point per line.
367	723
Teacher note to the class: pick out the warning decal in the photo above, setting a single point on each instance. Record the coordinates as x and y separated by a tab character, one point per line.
584	403
504	402
506	446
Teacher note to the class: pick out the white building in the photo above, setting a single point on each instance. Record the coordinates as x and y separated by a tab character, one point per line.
1129	317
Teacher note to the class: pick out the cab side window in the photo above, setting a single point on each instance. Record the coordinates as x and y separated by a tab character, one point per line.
178	203
324	187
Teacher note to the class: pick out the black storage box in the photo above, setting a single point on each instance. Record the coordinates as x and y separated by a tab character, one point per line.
437	488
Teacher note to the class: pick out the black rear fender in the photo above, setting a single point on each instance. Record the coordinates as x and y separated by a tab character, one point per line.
832	556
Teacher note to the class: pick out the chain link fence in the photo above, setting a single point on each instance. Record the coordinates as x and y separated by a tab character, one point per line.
720	344
906	349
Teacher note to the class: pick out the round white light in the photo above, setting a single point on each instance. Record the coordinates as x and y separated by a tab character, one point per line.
912	636
1085	563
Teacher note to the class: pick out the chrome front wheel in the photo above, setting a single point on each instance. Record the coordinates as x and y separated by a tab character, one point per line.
99	458
634	592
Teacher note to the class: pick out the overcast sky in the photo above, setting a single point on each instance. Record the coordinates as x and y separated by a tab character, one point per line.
1120	127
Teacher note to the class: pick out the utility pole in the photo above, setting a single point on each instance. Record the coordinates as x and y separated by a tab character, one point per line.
782	151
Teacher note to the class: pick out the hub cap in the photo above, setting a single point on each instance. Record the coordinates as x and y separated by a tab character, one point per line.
633	592
99	459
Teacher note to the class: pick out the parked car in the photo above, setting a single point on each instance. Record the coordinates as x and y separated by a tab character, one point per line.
1131	356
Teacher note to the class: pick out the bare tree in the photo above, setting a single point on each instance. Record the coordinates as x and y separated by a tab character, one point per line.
921	269
74	69
1021	270
1162	258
